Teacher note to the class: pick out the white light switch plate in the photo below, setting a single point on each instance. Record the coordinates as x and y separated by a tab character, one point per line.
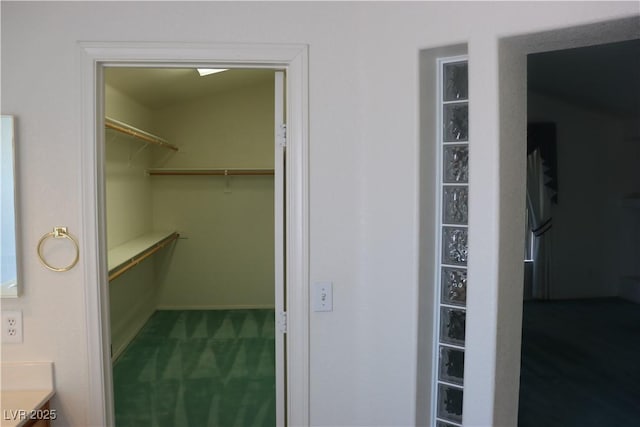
322	296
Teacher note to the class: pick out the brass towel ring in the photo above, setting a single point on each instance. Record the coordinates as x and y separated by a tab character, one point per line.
58	233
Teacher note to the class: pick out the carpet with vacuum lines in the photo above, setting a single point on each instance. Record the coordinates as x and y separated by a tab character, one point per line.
198	368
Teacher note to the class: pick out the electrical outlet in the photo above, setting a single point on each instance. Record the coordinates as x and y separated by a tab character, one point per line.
11	326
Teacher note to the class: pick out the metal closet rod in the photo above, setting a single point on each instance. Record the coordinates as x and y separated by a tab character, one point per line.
120	270
122	127
213	171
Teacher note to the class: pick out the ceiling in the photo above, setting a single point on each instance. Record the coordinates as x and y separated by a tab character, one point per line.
160	87
604	77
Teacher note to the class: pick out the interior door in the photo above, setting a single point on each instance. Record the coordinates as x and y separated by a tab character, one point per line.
280	250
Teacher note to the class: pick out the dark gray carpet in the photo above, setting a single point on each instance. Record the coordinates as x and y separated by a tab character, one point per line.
580	364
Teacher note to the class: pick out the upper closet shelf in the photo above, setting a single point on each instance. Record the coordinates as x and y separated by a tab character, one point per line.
122	258
210	171
147	137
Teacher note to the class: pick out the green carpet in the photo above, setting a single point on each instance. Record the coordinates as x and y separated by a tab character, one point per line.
198	368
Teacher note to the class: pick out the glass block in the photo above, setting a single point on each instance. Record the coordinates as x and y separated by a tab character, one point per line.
456	164
456	122
454	286
455	205
455	248
449	403
452	325
456	81
451	368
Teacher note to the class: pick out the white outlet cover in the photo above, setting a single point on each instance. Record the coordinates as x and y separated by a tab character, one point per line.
11	326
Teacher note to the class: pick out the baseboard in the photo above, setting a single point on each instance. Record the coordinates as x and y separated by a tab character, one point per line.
134	331
217	307
118	351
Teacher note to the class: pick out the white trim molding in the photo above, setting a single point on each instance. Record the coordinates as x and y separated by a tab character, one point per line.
293	58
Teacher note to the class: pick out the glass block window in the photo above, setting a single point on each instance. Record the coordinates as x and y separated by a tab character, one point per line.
454	246
453	253
454	286
455	204
452	325
455	81
455	164
456	122
450	403
451	365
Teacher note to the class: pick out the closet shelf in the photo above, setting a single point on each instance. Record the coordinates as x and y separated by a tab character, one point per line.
131	253
147	137
210	171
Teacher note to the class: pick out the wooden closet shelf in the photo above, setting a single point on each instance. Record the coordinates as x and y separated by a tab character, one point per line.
147	137
126	256
216	171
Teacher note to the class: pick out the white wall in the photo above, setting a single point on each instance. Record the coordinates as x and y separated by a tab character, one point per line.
363	177
226	257
132	296
597	167
128	189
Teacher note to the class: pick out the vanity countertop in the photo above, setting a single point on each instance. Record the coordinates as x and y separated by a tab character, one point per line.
26	387
17	405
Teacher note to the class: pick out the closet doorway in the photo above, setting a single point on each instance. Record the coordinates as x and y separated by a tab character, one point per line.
195	218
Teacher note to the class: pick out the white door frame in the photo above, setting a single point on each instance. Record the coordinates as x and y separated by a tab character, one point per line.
292	58
279	185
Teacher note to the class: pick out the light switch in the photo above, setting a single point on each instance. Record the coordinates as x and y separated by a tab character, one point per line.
322	295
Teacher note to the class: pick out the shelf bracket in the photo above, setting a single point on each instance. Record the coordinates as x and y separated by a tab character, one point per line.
227	182
140	150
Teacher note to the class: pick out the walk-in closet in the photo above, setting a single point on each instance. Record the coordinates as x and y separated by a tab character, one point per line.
189	189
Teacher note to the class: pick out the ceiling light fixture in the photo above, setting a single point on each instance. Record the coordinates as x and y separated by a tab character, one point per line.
206	71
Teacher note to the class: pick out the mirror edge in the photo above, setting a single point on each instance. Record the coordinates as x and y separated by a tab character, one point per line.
14	292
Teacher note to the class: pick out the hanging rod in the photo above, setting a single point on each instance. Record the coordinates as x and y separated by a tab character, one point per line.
119	126
222	172
123	268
